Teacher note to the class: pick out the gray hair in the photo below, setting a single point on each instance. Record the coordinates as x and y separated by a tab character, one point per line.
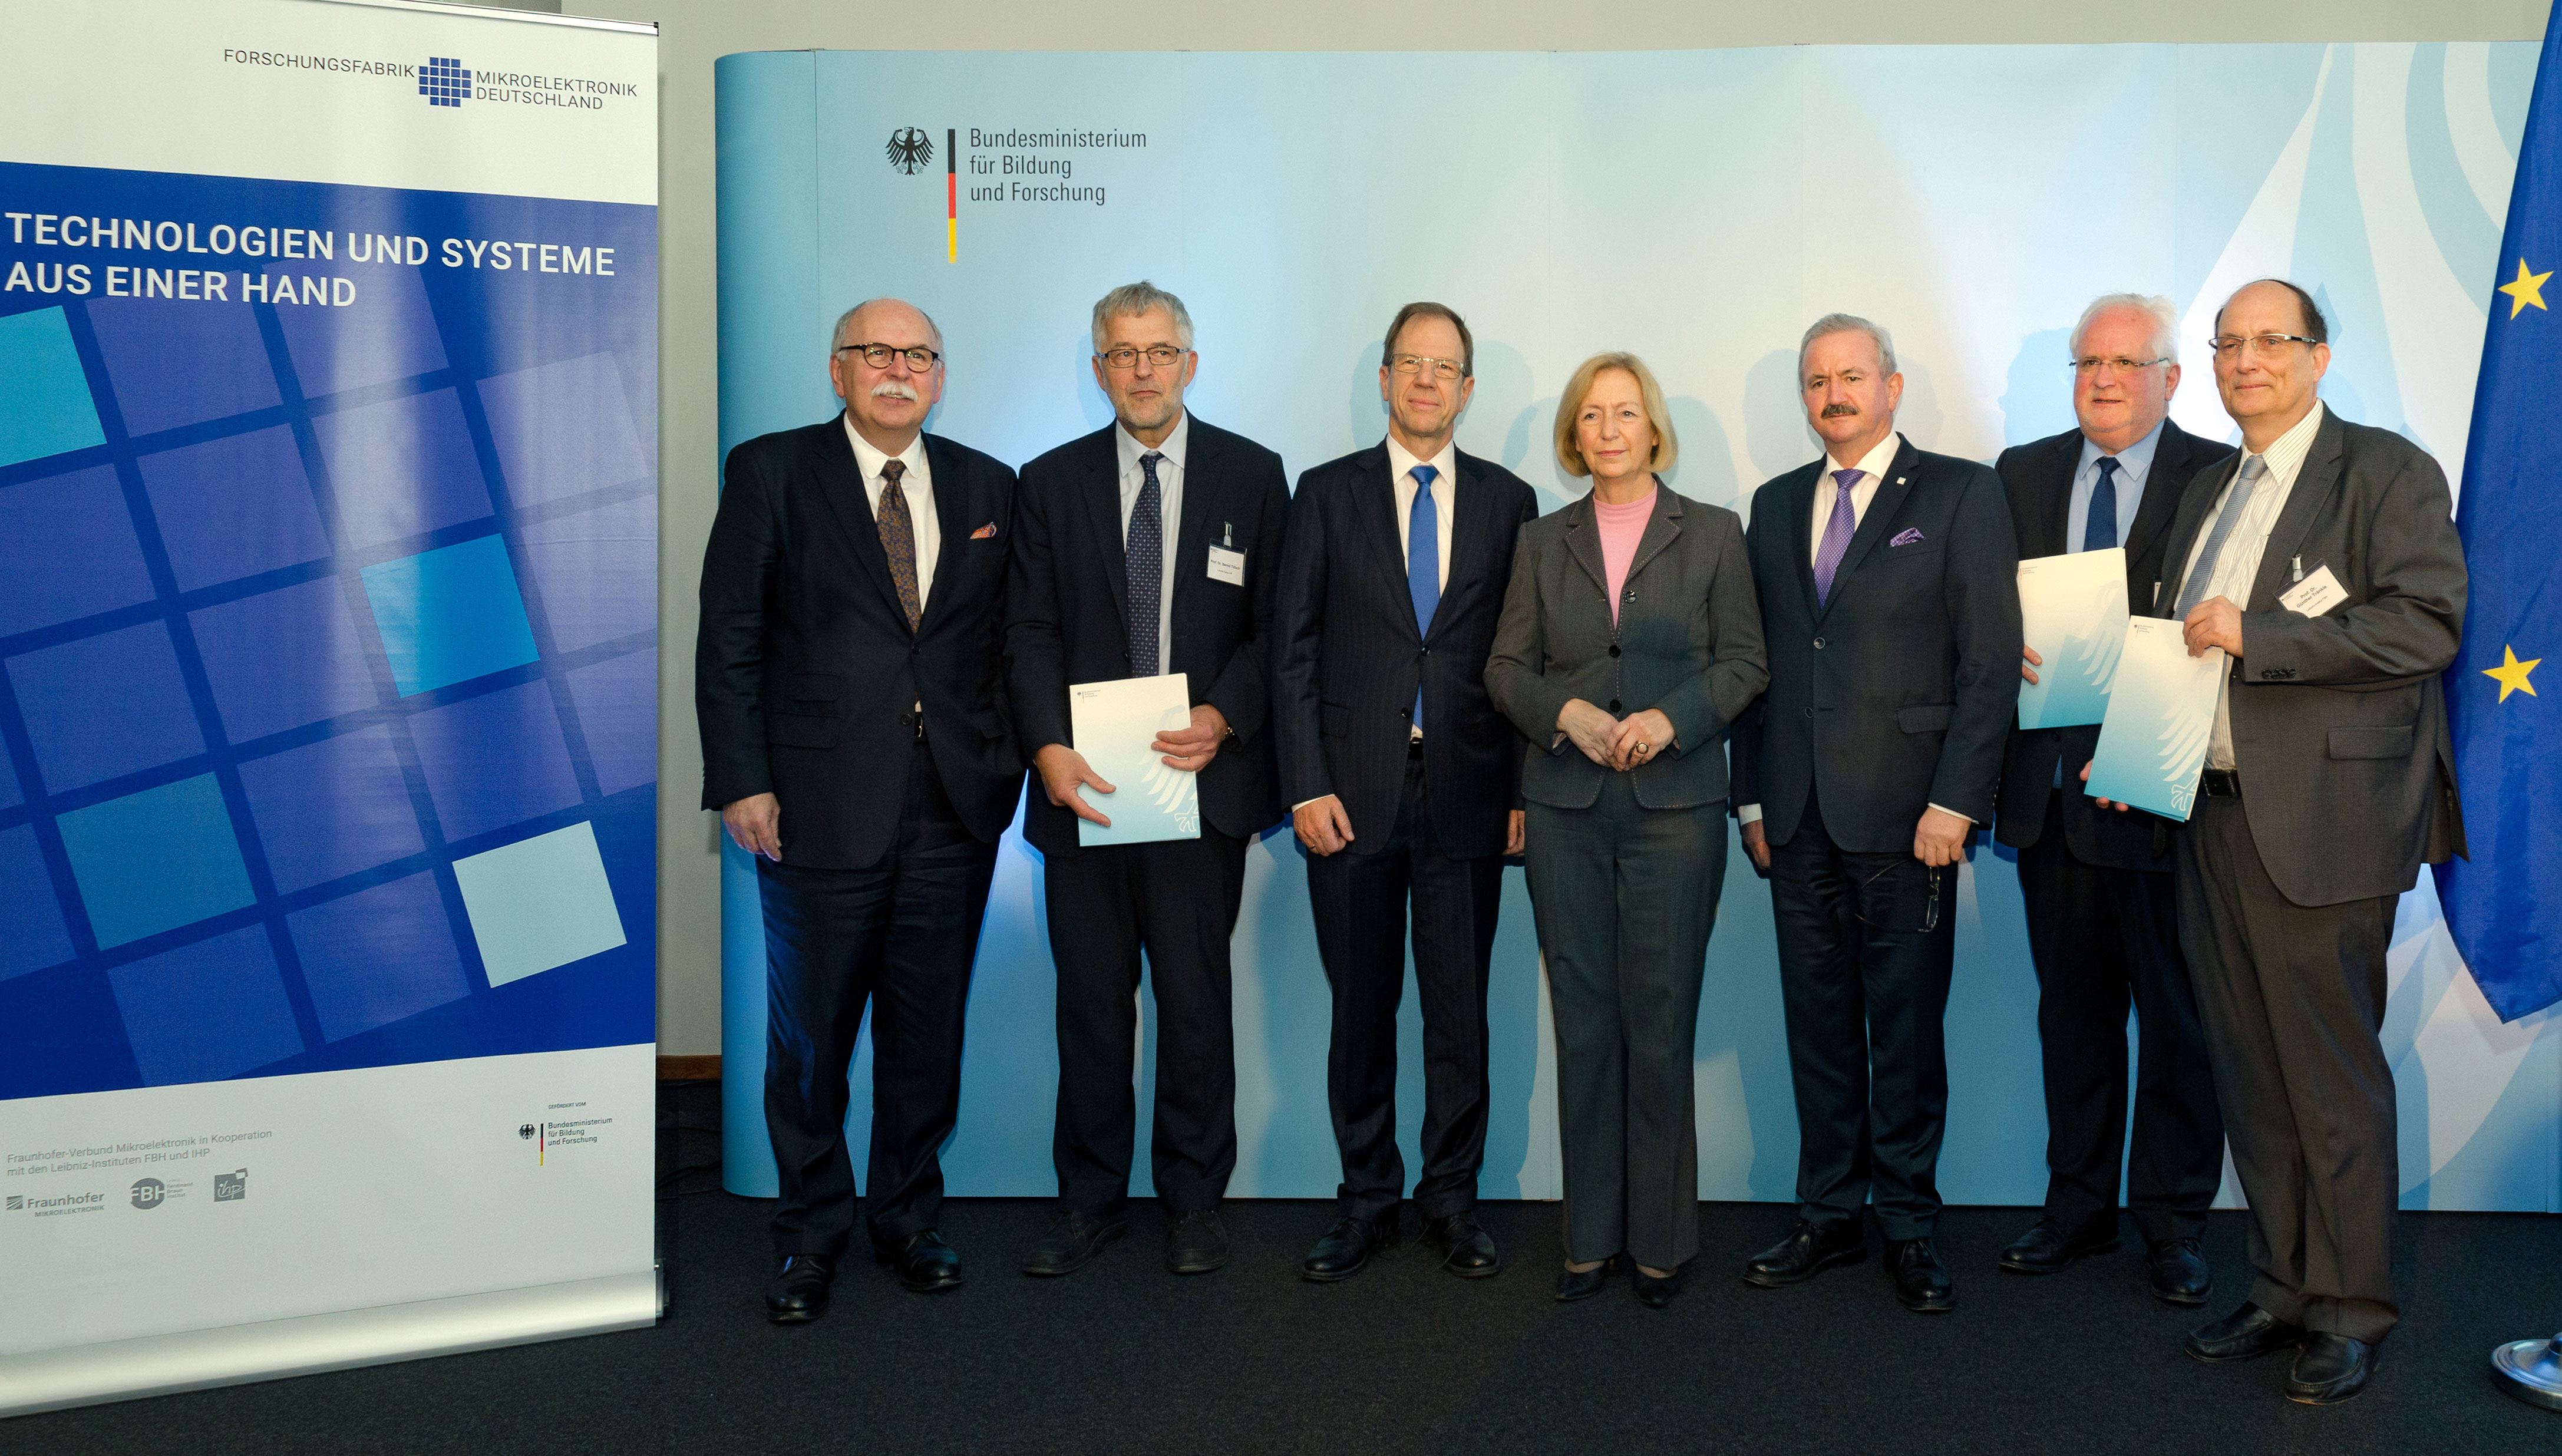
845	320
2163	313
1833	323
1132	299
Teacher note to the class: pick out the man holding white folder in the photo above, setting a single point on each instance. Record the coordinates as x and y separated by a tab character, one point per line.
1150	547
2097	886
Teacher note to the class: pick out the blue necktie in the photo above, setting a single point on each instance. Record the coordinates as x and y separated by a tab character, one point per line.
2100	531
1424	564
1144	569
1837	533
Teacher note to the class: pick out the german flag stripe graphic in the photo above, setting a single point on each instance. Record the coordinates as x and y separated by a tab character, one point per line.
951	195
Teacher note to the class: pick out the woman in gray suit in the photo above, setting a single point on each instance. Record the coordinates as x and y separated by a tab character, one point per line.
1631	636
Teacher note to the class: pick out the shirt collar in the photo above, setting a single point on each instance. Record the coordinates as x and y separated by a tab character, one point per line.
1401	461
2134	463
1878	459
2285	454
868	461
1172	450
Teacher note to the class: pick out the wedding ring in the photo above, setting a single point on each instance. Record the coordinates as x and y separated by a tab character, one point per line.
1645	747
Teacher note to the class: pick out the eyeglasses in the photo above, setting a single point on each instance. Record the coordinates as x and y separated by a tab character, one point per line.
2230	347
879	356
1417	363
1160	356
2095	364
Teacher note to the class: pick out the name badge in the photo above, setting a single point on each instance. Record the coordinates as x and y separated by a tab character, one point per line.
1227	566
2314	595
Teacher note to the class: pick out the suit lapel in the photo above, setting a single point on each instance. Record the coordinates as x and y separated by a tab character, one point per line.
951	519
1663	527
1583	543
1801	534
1195	530
1881	512
1103	513
841	484
1374	511
2315	483
2056	517
2194	503
2165	484
1472	518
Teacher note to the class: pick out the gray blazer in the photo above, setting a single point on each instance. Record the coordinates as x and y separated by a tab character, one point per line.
2339	726
1687	642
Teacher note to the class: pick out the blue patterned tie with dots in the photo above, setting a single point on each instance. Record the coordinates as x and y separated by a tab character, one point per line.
1144	569
1423	562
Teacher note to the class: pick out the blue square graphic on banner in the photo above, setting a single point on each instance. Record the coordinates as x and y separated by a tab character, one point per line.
450	615
68	550
156	860
105	706
216	1009
401	469
539	903
32	936
385	333
331	809
234	507
378	956
495	759
596	572
561	429
283	659
175	363
45	406
616	702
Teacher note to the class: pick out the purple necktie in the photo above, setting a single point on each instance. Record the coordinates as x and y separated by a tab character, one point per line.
1837	535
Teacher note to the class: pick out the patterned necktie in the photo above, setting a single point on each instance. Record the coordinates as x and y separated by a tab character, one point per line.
1424	563
1837	535
2236	501
2099	532
898	541
1144	569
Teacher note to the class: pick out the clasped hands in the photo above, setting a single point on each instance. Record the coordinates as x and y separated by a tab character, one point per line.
1616	744
1064	772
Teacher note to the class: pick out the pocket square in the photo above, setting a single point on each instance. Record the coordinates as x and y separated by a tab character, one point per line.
985	533
1910	536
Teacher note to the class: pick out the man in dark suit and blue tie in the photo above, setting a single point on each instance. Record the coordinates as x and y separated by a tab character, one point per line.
2097	885
1404	781
1890	600
849	683
1151	546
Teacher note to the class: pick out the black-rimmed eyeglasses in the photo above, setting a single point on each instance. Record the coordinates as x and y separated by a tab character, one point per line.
2230	347
1160	356
879	356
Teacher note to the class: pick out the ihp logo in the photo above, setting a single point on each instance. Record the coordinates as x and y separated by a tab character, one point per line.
444	82
231	1187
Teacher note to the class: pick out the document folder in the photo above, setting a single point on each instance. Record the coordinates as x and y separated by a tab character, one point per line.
2072	611
2161	712
1112	724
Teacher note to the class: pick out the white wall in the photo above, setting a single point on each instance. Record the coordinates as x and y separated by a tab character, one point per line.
695	32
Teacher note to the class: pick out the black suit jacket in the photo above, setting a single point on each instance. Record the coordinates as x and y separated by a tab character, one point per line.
2039	479
2339	721
1066	610
1898	693
1348	653
806	674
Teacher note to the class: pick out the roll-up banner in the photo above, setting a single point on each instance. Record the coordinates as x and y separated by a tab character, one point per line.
328	482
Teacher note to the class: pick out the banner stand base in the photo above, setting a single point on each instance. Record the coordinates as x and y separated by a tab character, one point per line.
162	1365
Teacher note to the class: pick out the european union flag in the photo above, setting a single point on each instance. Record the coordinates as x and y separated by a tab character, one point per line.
2505	905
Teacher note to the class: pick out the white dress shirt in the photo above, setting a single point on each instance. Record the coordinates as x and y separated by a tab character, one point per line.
1445	491
1170	492
2239	566
2134	465
917	485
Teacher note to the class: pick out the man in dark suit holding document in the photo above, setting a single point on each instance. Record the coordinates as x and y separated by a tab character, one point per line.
2097	885
1148	547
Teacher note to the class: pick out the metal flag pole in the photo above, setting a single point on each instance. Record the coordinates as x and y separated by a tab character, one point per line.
2531	1370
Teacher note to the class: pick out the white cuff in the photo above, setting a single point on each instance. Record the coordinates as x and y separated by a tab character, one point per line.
1750	814
1952	814
1304	803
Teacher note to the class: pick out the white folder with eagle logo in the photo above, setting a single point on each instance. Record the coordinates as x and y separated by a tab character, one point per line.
1112	724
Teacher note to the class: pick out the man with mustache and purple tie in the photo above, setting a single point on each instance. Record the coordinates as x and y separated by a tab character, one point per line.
1890	601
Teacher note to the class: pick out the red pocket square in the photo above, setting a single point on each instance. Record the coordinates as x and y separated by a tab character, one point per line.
987	532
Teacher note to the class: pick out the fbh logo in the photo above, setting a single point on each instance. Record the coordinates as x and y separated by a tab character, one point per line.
149	1192
444	82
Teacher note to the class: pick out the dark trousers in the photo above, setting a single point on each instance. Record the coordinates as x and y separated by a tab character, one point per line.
900	936
1866	945
1177	901
2103	939
1359	901
1625	898
2292	997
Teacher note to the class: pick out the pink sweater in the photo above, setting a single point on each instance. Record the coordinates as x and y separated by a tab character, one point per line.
1621	528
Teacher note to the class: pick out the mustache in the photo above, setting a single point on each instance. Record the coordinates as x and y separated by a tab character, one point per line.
1835	412
891	389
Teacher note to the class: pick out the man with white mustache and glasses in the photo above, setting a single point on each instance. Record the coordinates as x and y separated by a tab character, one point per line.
848	682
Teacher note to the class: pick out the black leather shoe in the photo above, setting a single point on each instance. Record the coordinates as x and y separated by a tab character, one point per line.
1654	1293
2179	1272
2051	1247
1071	1243
1347	1249
2245	1333
1808	1250
1197	1243
1572	1286
1921	1279
923	1261
2331	1368
798	1293
1466	1249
